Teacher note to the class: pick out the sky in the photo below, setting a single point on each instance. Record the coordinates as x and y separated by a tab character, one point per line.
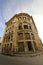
9	8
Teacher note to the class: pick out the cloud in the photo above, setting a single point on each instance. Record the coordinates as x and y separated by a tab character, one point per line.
14	6
0	24
37	7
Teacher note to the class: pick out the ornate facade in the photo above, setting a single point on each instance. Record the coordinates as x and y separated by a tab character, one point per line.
21	35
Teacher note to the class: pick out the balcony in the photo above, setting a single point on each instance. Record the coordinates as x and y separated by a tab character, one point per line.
24	30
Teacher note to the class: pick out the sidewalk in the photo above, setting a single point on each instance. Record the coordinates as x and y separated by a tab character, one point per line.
33	54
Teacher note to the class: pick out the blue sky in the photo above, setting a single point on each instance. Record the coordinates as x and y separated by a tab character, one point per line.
9	8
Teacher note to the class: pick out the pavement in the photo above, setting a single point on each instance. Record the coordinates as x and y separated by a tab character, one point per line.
24	60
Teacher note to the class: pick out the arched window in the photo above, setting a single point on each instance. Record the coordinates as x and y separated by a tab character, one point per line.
20	26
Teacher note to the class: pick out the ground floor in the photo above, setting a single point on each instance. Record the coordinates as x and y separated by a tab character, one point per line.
13	48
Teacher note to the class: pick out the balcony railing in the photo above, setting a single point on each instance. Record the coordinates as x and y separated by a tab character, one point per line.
25	30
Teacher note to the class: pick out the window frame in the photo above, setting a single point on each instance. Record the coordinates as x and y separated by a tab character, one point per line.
25	27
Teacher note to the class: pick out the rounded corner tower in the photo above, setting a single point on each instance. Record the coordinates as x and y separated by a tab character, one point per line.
21	35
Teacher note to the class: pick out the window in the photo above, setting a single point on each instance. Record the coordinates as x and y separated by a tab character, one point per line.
24	18
4	40
30	27
11	35
8	37
19	18
7	45
25	26
20	27
6	30
20	36
27	36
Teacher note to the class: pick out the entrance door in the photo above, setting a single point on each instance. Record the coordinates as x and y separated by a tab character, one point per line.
30	46
10	46
21	46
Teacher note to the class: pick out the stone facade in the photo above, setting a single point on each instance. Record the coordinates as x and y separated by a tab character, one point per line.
0	42
21	35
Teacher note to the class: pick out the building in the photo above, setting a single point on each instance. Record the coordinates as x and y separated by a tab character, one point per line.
0	42
21	35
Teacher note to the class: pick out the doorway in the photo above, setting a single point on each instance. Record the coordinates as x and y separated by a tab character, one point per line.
10	47
20	46
30	46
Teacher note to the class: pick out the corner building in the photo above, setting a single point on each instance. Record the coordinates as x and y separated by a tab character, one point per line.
21	35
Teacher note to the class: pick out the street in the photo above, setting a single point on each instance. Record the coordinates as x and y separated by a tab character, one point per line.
9	60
